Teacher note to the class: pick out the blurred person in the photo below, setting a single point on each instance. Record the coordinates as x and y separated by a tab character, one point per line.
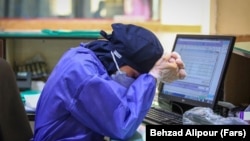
14	123
104	88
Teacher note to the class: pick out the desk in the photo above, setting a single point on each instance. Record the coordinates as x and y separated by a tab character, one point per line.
243	51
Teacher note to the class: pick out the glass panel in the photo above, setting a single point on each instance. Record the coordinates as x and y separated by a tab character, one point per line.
108	9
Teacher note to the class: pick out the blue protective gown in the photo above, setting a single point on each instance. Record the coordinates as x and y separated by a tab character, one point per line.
81	102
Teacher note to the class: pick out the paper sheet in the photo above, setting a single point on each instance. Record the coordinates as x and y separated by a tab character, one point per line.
31	102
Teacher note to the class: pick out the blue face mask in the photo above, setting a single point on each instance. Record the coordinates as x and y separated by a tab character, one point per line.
121	77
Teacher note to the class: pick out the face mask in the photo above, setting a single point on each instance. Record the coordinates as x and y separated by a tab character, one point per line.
121	77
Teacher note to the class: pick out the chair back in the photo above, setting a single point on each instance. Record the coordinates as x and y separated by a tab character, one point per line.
14	123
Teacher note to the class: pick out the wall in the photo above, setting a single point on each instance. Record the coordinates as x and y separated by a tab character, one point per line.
233	17
183	12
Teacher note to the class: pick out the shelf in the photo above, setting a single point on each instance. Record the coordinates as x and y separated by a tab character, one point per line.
79	34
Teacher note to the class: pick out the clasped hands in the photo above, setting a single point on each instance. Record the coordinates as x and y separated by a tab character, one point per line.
169	68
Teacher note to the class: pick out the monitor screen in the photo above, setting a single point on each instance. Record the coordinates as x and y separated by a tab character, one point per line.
206	58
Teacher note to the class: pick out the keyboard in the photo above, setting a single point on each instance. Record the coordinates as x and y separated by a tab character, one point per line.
157	116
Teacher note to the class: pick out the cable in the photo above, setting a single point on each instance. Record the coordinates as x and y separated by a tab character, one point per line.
180	108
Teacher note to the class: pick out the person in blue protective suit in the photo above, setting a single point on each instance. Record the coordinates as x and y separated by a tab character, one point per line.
104	87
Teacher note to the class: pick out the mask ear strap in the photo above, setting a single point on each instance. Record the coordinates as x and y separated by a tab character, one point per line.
116	64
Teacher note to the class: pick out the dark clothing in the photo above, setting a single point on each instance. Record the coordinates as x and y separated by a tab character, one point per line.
14	123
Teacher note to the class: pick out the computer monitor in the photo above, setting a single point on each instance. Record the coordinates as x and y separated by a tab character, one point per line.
206	58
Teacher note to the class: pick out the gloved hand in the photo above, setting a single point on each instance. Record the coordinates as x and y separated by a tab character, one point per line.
169	68
168	76
163	64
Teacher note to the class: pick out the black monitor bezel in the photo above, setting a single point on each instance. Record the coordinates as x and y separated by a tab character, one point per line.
219	91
